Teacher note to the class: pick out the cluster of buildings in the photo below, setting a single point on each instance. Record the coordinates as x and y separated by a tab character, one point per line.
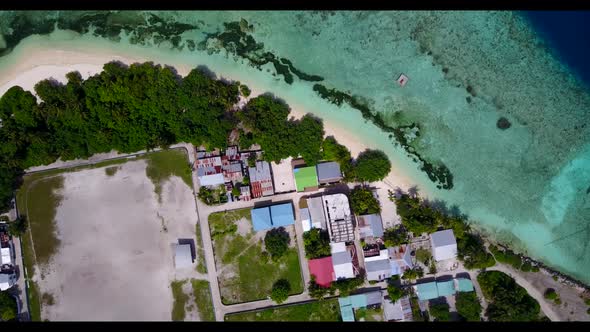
258	178
400	310
7	270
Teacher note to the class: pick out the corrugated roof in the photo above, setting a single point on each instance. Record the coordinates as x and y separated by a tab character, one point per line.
372	225
342	257
261	172
373	298
316	211
445	288
378	266
305	177
464	285
211	180
323	270
329	171
282	215
347	313
261	218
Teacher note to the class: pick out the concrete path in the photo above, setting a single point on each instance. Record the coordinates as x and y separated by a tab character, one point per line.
20	290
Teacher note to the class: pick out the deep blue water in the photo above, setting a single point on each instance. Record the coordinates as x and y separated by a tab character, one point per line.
568	34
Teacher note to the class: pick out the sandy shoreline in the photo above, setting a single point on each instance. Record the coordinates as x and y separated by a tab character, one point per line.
33	67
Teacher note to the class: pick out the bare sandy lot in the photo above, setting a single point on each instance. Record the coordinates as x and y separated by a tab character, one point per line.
116	257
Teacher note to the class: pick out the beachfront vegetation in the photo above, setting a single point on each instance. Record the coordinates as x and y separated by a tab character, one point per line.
280	291
440	312
332	150
276	242
372	165
395	236
245	90
319	311
8	309
468	306
267	118
316	243
506	256
551	294
473	253
507	301
363	202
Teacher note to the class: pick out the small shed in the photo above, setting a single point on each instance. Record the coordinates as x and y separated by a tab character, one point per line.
183	256
444	245
402	80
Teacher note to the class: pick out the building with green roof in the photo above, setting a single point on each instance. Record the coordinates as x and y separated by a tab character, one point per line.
305	177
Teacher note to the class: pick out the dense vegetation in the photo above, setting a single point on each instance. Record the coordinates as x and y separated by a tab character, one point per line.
395	236
413	274
332	150
344	287
419	217
8	309
18	227
440	312
363	202
551	294
372	165
507	301
127	109
267	119
472	252
276	242
468	306
316	243
280	291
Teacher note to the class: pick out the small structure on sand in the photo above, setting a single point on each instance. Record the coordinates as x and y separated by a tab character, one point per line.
184	257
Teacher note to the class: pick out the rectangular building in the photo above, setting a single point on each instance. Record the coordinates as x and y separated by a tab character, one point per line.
261	180
339	217
268	217
328	172
306	178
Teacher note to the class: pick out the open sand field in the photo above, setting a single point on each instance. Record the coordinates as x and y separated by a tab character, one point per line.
115	260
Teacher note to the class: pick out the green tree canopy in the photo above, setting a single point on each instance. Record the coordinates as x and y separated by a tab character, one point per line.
395	236
507	301
473	254
372	165
277	242
8	308
468	306
334	151
395	293
363	202
316	243
440	312
18	227
280	291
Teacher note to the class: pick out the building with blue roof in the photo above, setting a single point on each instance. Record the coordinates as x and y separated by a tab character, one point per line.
264	218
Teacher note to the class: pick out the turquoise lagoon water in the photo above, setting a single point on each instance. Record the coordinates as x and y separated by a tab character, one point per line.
528	185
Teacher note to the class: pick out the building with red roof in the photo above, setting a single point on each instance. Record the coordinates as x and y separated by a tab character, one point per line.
323	270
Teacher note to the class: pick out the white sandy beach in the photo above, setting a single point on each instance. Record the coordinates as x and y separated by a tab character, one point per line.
39	64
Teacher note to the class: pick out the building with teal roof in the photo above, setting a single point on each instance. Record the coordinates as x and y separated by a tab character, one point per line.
446	288
464	285
426	291
350	303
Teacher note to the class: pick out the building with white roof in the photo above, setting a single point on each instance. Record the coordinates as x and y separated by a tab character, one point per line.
7	280
315	206
5	256
444	245
184	257
342	261
378	267
305	219
337	212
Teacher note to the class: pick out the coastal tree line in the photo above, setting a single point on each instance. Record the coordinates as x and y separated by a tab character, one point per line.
144	106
